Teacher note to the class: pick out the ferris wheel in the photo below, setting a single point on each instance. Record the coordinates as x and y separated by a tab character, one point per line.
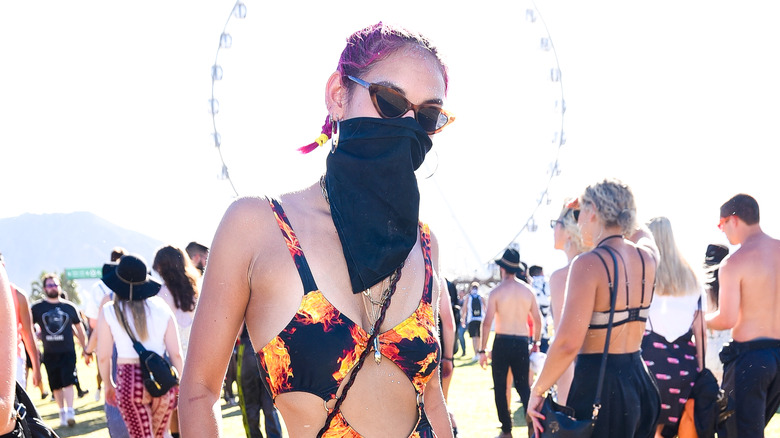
536	79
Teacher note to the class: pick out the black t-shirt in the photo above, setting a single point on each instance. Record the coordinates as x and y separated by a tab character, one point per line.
56	321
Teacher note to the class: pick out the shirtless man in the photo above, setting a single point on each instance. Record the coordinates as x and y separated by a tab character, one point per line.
749	304
511	302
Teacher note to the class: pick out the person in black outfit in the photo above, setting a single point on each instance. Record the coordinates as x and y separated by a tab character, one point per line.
253	395
460	330
58	319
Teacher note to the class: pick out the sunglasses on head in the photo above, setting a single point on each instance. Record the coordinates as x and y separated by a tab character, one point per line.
391	104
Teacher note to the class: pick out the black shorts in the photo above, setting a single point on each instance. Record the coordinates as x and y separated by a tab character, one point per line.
474	328
61	369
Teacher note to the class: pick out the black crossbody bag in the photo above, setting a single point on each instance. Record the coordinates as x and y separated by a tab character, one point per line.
559	420
159	375
28	422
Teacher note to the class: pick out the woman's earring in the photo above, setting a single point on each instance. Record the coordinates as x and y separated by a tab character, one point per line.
428	166
334	136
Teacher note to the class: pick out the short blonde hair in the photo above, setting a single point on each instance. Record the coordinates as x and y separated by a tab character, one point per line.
614	204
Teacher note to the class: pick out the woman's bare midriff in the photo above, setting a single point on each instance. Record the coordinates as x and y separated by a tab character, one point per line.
381	403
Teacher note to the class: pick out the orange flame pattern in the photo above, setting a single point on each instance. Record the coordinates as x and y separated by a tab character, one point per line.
319	330
316	309
340	428
289	235
350	358
278	370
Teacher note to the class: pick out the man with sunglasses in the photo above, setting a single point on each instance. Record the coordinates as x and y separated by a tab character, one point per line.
749	304
57	319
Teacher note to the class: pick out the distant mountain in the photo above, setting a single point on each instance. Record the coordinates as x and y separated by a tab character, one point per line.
32	243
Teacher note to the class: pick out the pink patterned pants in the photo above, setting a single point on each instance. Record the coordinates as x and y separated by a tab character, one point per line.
144	415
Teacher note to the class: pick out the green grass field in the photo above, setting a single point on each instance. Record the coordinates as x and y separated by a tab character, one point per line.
470	398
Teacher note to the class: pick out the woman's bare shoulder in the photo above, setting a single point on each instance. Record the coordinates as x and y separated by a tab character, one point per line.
247	215
247	208
246	226
560	274
588	265
647	251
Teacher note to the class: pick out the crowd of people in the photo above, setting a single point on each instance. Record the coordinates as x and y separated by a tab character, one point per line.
126	304
363	344
665	312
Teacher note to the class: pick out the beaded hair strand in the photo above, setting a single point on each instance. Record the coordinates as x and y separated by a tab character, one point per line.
363	355
327	131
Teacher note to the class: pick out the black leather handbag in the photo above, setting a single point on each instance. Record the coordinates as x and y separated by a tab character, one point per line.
28	422
559	421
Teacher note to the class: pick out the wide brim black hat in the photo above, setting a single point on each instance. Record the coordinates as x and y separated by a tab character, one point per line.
130	278
510	261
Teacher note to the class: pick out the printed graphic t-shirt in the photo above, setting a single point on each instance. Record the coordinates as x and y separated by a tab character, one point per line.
56	322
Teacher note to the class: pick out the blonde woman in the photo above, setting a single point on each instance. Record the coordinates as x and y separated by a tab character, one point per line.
567	238
136	308
629	400
668	346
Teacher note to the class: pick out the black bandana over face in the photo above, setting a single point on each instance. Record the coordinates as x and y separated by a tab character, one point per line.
374	200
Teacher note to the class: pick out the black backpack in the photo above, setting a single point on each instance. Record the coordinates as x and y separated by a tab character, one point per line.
476	306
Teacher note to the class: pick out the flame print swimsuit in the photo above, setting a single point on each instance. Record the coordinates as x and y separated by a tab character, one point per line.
318	330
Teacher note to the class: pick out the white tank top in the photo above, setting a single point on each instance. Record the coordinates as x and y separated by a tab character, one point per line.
158	314
670	316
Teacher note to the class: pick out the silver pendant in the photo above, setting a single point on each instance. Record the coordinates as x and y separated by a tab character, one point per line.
377	354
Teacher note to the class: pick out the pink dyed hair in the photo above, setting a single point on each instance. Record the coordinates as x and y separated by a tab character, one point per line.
368	46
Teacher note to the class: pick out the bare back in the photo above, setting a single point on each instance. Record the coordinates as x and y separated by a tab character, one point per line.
512	303
749	281
590	276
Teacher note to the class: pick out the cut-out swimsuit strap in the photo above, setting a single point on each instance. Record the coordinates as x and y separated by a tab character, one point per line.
304	272
599	320
318	326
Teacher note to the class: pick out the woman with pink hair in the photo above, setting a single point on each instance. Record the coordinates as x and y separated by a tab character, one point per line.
339	283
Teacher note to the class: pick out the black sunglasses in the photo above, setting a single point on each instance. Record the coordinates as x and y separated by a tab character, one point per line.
390	104
576	214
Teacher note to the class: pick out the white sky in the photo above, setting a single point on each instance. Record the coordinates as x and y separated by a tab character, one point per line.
103	108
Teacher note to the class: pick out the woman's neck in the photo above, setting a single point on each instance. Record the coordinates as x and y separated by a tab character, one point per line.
571	253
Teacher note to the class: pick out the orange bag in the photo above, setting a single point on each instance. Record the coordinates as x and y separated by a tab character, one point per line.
687	427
